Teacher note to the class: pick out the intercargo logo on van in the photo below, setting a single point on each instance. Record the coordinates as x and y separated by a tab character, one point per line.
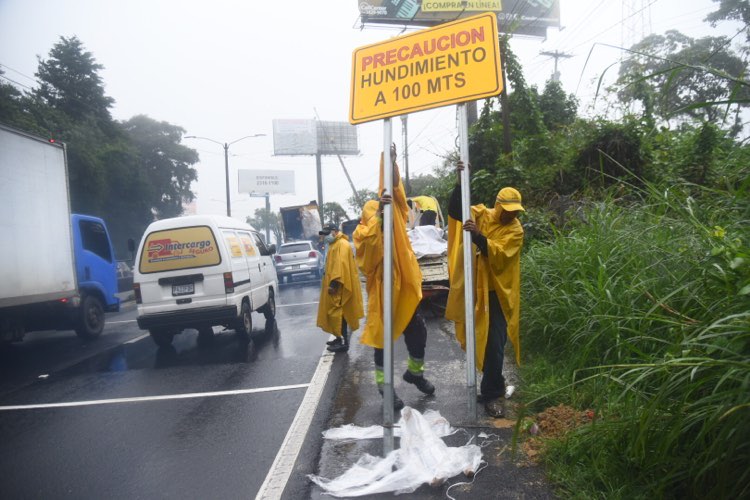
166	249
180	248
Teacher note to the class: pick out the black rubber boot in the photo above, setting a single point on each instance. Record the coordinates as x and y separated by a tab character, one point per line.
343	346
398	403
335	341
422	383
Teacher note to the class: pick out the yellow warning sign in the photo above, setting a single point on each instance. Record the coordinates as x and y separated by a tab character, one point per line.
448	64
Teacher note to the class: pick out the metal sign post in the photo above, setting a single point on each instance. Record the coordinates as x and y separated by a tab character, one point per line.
387	292
471	373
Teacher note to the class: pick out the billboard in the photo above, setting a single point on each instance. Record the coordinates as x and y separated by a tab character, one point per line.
337	138
522	17
311	137
266	181
295	137
448	64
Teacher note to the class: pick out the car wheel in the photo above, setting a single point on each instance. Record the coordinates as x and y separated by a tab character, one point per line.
162	338
205	335
244	324
90	321
269	310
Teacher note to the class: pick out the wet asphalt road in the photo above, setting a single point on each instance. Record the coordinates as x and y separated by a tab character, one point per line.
197	447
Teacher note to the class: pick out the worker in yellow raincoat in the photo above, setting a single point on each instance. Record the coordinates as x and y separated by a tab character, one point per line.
340	303
426	207
407	285
497	238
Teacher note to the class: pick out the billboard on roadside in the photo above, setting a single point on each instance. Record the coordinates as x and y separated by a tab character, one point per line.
311	137
522	17
266	181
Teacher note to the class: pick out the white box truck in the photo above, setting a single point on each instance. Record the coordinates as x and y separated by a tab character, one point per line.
57	270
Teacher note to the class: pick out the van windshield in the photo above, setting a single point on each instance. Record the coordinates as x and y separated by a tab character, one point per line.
180	248
296	247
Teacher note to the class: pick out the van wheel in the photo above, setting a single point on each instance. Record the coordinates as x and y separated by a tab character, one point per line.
162	338
269	310
244	324
90	321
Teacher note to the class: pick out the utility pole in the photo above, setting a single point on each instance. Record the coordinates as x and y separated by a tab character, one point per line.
556	55
405	149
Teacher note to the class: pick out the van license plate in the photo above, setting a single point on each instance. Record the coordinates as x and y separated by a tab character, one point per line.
183	289
296	266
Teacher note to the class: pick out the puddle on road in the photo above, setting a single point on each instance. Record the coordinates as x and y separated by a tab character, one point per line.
225	347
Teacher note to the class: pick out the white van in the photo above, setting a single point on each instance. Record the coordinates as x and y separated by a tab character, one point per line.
201	271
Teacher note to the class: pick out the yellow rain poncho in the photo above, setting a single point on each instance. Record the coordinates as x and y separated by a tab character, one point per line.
499	271
407	278
346	303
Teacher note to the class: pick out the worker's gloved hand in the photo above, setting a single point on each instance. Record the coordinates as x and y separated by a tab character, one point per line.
333	287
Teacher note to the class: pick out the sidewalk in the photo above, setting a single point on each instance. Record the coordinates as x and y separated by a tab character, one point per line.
358	402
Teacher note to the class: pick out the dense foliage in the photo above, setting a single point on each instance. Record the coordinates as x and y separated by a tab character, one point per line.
126	172
636	267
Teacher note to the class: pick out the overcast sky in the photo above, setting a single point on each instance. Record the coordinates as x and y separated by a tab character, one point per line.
225	69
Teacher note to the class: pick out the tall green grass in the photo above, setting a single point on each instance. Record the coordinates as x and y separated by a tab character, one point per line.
642	313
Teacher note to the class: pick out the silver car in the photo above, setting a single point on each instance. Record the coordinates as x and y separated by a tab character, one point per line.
298	257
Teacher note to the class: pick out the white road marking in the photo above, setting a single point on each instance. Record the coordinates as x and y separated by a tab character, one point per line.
295	305
133	341
155	398
122	321
281	469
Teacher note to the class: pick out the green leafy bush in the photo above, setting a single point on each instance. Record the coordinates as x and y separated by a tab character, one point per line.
642	312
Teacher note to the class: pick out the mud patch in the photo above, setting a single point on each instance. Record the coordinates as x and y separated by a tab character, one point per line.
553	423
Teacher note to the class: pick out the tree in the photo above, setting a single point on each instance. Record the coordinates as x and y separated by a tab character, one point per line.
676	75
70	81
333	213
356	203
167	165
557	108
731	10
267	218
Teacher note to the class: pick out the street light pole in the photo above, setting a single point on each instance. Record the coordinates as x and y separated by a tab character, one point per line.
226	175
225	145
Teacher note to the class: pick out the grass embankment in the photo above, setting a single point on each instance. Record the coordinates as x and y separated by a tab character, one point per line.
641	313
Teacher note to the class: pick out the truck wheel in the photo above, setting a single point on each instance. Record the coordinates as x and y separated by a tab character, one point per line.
91	318
162	338
244	324
269	310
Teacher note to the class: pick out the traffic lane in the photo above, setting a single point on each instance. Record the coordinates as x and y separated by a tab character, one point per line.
42	353
220	447
162	445
284	352
111	364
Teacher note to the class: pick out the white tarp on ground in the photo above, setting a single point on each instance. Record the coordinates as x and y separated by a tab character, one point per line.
427	241
423	458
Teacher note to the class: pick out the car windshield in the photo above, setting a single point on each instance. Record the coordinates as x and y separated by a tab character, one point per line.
296	247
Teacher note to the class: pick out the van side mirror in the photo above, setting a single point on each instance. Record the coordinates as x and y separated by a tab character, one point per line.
272	249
